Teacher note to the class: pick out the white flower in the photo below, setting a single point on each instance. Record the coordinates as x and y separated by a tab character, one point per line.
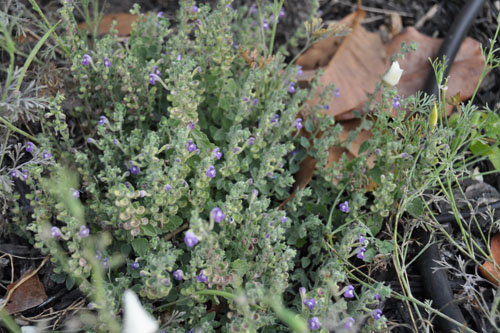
393	74
136	319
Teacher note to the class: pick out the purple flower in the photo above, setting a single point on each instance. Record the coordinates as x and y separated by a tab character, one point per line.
134	265
396	102
361	253
156	71
102	120
282	13
302	291
310	303
86	60
255	101
377	297
314	324
284	219
336	92
98	254
134	169
404	155
179	57
361	239
211	173
160	14
190	239
165	281
107	63
13	174
300	71
29	146
291	88
194	9
348	324
265	25
46	155
275	118
217	153
251	140
344	207
55	232
152	78
326	107
191	125
191	146
90	140
377	314
105	262
84	232
298	123
115	142
202	278
75	193
167	187
25	174
349	292
178	275
217	215
253	9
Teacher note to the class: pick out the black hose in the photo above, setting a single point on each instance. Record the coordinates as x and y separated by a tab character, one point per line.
436	281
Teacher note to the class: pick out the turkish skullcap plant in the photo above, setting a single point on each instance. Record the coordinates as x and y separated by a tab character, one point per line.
167	174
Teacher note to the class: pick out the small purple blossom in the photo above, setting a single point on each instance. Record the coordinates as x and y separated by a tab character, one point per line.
156	71
314	324
361	253
217	215
86	60
84	232
191	125
178	275
142	193
107	63
115	142
284	218
194	9
25	174
255	101
216	153
253	9
310	303
179	57
202	278
344	207
167	187
165	281
29	147
134	169
275	118
336	92
190	239
291	88
265	25
102	120
135	265
13	174
105	262
361	239
152	78
251	140
326	107
55	232
160	14
298	123
300	71
191	146
75	193
211	173
349	292
377	297
348	324
90	140
282	13
404	155
377	314
46	155
302	291
396	102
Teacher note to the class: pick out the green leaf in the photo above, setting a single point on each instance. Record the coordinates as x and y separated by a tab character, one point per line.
70	282
304	142
240	267
305	261
478	147
309	126
495	158
148	230
140	246
416	207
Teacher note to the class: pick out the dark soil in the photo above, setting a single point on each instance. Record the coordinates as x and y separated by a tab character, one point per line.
483	28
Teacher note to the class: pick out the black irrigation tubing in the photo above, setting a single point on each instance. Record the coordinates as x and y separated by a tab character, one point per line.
436	282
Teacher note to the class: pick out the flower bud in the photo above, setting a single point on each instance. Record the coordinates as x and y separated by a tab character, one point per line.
394	74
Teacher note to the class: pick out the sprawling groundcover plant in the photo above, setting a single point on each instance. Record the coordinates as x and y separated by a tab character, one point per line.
165	172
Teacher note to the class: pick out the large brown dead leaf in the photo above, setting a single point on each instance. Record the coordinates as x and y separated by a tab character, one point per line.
25	293
124	23
488	269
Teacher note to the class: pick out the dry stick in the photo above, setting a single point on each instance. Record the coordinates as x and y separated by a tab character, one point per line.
175	232
24	279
